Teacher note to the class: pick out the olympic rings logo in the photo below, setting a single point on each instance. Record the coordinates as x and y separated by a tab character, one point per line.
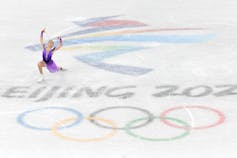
114	128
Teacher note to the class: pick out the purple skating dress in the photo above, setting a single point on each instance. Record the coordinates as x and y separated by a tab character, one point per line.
50	64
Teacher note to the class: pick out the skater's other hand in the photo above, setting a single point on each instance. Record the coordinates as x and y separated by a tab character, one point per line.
43	30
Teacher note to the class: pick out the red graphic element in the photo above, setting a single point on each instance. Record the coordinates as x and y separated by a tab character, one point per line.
109	23
218	122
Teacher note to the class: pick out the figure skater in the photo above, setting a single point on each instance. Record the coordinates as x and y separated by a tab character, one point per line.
47	54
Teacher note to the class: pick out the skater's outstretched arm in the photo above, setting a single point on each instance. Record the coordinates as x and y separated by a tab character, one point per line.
42	38
60	44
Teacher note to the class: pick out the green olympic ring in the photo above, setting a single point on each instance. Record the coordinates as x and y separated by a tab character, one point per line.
131	123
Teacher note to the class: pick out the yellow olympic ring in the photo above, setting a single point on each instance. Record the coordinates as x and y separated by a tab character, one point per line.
65	121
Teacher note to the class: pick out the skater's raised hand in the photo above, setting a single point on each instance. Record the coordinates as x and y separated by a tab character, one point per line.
43	30
60	40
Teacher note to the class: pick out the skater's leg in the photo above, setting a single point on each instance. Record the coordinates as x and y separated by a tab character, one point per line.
41	64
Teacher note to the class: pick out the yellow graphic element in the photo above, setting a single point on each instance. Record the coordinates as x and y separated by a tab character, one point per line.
65	121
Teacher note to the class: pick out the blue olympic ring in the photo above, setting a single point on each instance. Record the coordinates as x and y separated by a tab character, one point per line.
21	117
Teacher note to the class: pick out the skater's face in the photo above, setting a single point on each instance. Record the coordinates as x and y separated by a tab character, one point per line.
50	44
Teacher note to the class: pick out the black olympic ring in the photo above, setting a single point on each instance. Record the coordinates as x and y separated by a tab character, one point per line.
150	117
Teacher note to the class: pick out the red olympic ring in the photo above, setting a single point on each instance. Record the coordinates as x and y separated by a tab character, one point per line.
218	122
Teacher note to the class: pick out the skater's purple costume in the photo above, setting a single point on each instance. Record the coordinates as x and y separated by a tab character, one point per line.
47	57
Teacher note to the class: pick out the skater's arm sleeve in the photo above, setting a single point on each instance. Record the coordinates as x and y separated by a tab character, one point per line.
42	39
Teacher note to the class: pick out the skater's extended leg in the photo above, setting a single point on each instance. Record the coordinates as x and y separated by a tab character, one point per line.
41	64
